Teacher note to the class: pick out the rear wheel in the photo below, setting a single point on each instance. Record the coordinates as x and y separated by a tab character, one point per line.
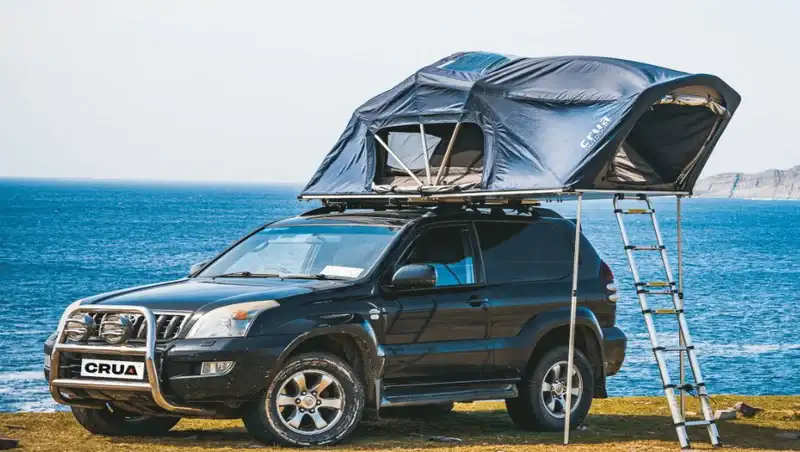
316	399
110	422
541	405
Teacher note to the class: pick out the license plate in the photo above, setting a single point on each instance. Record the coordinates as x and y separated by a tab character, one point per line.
107	368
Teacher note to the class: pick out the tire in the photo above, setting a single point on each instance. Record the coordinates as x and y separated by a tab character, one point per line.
530	411
432	410
118	423
287	424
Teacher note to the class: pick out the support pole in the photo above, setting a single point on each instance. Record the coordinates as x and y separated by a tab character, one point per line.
682	358
573	312
386	146
446	158
425	152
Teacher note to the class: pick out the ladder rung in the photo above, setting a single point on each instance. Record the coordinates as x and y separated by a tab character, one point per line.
663	311
687	386
634	211
656	292
696	423
655	284
645	248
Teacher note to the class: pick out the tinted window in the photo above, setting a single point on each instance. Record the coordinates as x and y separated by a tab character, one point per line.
515	252
447	249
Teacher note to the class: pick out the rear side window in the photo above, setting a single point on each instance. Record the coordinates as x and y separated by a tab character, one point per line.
516	252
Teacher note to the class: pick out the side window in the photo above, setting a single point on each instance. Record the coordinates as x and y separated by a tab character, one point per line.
515	252
448	250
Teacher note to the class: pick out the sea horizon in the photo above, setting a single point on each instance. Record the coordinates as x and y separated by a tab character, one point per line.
61	240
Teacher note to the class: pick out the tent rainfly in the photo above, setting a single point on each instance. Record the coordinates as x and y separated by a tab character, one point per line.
476	126
478	123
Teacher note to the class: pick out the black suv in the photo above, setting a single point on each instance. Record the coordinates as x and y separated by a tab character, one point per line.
307	322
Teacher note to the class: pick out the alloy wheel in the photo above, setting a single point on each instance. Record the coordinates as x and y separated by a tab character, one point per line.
310	402
554	389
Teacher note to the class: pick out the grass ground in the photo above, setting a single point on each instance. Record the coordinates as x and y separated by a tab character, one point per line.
624	424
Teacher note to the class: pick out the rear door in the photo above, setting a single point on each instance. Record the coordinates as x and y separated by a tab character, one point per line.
440	333
528	266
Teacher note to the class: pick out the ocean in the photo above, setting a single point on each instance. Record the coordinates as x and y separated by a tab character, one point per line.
64	240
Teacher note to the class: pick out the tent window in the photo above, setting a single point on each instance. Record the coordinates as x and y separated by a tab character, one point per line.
463	166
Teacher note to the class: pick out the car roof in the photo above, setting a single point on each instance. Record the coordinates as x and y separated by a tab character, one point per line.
399	218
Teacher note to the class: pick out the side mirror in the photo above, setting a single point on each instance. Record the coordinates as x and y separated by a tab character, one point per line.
414	276
197	267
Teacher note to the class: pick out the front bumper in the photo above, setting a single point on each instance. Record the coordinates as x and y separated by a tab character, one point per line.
614	343
172	383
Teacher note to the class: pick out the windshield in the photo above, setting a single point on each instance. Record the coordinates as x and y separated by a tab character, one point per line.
323	252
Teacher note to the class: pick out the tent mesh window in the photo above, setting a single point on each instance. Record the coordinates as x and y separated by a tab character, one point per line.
662	148
462	169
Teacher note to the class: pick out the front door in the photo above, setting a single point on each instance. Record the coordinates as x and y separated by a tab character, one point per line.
440	333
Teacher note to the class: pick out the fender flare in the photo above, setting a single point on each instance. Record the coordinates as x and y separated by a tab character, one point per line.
540	325
358	329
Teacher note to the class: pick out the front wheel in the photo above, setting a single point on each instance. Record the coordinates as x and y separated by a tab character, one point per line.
110	422
541	405
315	399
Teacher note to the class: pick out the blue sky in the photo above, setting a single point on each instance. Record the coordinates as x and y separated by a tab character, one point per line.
259	91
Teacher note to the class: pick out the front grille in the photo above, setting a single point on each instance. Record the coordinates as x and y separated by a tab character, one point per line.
168	325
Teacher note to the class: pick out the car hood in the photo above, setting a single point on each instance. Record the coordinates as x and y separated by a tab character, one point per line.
193	294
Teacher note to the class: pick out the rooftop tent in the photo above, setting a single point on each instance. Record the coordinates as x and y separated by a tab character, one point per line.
481	123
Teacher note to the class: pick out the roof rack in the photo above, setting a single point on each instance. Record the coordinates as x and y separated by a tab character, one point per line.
519	205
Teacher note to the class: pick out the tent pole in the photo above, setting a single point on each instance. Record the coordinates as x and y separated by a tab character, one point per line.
425	152
682	362
446	158
572	315
386	146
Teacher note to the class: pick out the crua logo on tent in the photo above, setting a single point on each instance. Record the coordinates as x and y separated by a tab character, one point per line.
597	132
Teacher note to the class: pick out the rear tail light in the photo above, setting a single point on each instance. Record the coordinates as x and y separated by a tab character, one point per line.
606	273
611	286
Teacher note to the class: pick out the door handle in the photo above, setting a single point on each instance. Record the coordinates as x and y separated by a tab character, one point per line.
477	302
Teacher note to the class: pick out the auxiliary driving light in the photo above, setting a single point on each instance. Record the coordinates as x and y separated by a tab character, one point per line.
116	329
80	327
216	367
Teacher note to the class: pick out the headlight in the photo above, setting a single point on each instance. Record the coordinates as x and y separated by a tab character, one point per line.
229	321
63	320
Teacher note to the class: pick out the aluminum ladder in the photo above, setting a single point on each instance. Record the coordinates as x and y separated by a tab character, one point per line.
670	289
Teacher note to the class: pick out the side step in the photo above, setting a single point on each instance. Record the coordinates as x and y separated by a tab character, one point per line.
407	395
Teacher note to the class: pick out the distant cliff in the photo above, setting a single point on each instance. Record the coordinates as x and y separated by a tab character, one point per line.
770	184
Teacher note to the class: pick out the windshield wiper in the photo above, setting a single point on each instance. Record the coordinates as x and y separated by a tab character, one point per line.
317	276
248	275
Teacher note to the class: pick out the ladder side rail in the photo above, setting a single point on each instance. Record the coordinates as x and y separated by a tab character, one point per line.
702	392
658	351
681	343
